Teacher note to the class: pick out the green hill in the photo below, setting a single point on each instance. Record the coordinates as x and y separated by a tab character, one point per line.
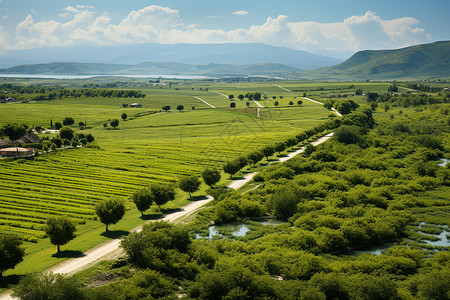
420	61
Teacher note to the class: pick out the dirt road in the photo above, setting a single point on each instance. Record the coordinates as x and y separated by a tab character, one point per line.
111	249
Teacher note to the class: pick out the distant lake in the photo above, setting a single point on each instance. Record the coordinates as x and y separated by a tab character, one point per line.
45	76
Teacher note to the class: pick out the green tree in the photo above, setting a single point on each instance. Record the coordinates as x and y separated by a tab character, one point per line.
14	131
241	97
231	167
143	199
291	103
114	123
110	211
231	97
280	147
66	133
255	157
268	151
48	286
232	105
68	121
348	134
211	176
299	102
284	204
166	108
247	103
276	103
359	92
10	252
189	184
162	193
58	125
60	229
291	142
124	116
180	107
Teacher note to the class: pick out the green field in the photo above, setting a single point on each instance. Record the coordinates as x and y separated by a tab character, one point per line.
158	147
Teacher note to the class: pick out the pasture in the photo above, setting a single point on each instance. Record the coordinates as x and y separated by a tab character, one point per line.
156	147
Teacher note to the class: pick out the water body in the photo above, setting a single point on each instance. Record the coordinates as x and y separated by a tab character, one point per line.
236	229
46	76
443	162
443	240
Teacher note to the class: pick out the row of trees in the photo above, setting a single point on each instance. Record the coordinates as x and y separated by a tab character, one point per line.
250	96
166	108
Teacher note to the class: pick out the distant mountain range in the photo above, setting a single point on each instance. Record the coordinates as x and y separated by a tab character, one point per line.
416	62
151	68
192	54
420	61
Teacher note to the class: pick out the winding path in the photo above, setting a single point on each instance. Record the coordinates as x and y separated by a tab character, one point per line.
111	249
204	101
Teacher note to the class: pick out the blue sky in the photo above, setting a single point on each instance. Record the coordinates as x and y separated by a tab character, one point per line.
333	28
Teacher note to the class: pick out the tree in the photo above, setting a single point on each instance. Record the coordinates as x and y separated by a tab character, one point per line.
211	176
89	137
68	121
291	103
48	286
231	97
241	97
162	193
348	134
359	92
268	151
81	124
124	116
10	252
58	125
180	107
66	133
254	157
257	96
276	103
166	108
114	123
14	131
231	167
284	204
60	229
189	184
143	199
280	147
291	142
232	105
247	103
110	211
299	102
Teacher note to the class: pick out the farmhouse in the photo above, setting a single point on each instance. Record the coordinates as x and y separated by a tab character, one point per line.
29	138
5	143
16	152
135	105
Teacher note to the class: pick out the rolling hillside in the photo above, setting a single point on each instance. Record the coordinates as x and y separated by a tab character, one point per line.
420	61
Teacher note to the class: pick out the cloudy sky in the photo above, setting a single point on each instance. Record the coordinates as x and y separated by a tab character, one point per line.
334	28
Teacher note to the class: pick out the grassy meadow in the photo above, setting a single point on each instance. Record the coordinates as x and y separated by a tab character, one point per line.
155	147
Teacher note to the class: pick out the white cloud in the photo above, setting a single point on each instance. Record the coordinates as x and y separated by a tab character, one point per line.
240	13
5	17
163	25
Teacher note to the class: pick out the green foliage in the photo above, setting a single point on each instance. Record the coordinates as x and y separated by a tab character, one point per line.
162	193
14	131
48	286
124	116
10	252
283	204
68	121
189	184
66	133
110	211
180	107
143	199
166	108
348	134
211	176
231	167
255	157
60	229
114	123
